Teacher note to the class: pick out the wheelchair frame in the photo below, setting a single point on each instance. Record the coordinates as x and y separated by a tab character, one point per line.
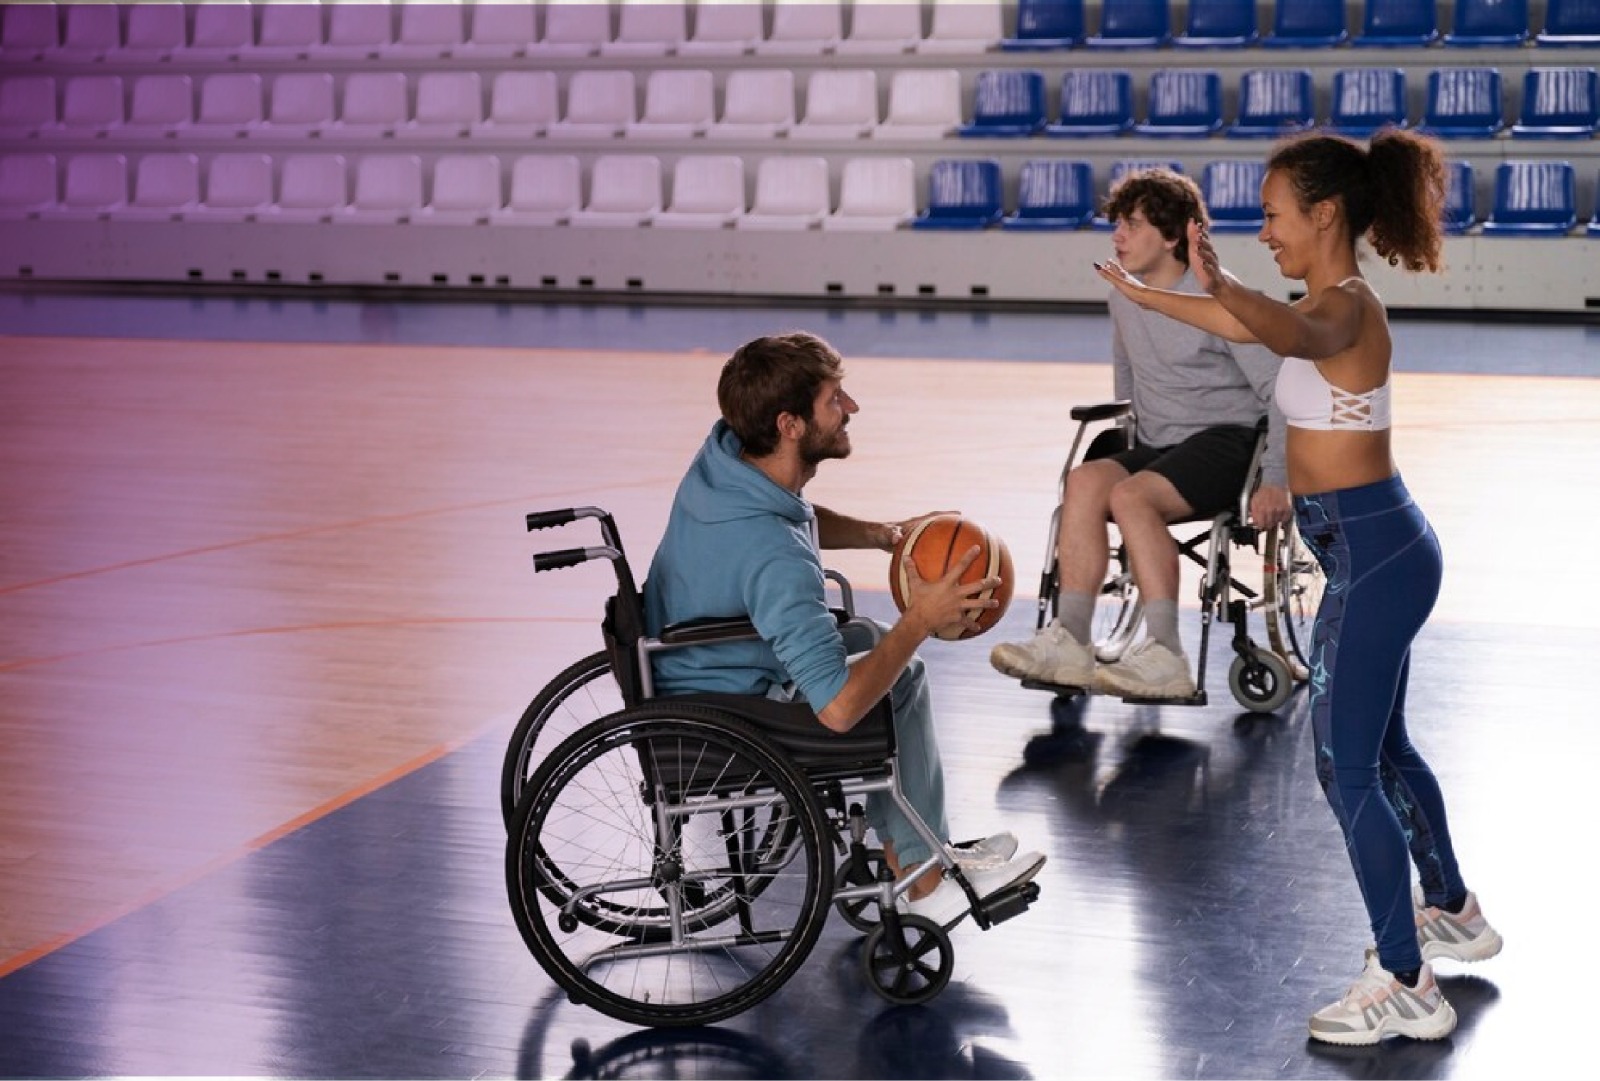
774	779
1261	678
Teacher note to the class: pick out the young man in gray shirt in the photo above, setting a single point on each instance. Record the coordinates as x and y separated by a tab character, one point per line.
1196	399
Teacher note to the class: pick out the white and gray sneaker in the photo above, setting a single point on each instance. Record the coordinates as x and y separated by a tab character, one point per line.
1050	656
990	852
1456	936
1378	1005
1148	670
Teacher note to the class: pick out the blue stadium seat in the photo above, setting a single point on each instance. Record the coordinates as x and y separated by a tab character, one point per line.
1307	24
1570	23
1368	99
1184	103
1046	24
1594	222
1053	193
1398	24
1533	198
1094	102
1559	103
1120	169
1006	104
1489	22
1232	191
1463	103
1133	24
1460	212
1219	24
1273	102
961	195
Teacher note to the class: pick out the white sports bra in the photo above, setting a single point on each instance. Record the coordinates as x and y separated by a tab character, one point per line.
1308	400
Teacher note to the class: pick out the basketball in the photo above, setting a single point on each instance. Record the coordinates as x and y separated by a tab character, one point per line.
935	543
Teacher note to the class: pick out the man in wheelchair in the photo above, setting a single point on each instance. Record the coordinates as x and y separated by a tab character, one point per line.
1197	400
742	541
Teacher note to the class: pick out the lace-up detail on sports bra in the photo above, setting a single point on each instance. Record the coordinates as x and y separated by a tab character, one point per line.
1308	400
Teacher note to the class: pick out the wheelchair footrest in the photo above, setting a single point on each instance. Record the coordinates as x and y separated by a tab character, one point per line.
1065	690
1004	904
1198	698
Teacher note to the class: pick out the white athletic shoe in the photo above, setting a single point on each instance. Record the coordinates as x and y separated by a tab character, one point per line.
990	852
947	904
1148	670
1051	656
1378	1005
1456	936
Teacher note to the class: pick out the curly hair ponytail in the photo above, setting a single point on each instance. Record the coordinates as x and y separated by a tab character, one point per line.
1392	193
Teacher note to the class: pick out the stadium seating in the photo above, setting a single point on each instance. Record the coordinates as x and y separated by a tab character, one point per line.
875	195
1133	24
522	106
707	193
882	27
546	189
1533	198
1559	103
1460	202
1463	103
238	187
962	195
1273	102
1307	24
1095	102
27	184
840	104
1367	99
1052	193
924	103
757	103
27	105
1398	24
679	103
1046	24
311	188
1489	22
963	27
1184	103
1570	24
466	191
791	193
624	191
1007	103
164	187
1232	191
648	28
388	189
1216	24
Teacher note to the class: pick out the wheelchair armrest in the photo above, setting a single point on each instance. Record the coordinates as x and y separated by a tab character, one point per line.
708	629
1101	411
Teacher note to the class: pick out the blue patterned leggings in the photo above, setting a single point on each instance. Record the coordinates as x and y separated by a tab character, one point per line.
1383	569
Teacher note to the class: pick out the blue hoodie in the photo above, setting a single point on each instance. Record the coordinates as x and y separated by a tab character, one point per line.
739	545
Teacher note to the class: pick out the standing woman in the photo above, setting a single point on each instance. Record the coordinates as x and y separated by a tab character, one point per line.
1321	195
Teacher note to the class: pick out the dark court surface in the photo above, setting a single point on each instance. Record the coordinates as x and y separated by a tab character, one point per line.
1197	906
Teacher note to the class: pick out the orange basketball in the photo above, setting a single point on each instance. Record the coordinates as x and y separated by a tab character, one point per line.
937	542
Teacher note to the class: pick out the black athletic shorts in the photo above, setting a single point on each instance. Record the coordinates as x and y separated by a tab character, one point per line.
1209	469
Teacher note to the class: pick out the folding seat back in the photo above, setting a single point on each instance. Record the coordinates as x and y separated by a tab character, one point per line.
237	185
756	103
92	30
155	30
160	103
1053	193
1533	198
374	104
288	28
678	102
1559	103
448	104
573	28
962	195
1213	24
356	29
1398	23
875	194
882	27
707	192
1184	103
1463	103
963	26
164	184
1367	99
724	28
1046	24
1133	24
804	27
1232	191
29	30
1460	210
624	189
1571	23
599	103
1094	102
387	187
94	183
648	28
91	103
839	104
522	104
466	189
429	28
1273	102
545	189
791	192
27	103
300	102
1307	24
1489	22
222	27
312	186
27	184
1007	103
500	29
924	103
230	104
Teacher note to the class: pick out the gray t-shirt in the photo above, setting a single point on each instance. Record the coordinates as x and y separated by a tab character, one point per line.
1182	380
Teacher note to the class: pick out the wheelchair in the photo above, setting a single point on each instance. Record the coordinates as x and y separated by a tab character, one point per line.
1261	677
672	862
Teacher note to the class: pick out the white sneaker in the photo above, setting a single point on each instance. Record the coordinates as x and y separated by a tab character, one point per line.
947	904
991	851
1148	670
1051	656
1458	936
1378	1005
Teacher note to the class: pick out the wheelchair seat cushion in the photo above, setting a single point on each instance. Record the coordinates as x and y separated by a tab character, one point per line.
794	727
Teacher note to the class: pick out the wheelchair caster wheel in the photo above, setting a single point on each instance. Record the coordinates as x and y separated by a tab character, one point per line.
1261	684
911	967
567	922
860	912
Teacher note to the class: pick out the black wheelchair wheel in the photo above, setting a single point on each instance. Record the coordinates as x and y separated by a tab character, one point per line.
911	966
1293	593
584	692
859	912
644	869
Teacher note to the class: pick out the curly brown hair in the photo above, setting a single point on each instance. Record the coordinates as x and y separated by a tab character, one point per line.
1392	192
1168	200
782	373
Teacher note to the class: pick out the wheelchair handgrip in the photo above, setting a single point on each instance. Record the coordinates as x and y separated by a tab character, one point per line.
571	557
549	519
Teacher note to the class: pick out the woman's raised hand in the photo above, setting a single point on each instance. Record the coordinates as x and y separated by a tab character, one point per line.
1203	259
